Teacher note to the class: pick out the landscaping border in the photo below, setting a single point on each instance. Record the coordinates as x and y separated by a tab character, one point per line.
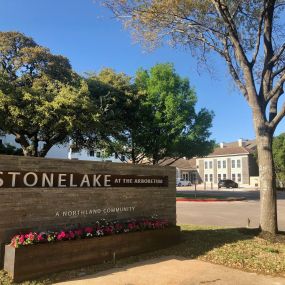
29	262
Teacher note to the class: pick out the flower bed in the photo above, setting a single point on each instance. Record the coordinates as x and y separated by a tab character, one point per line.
67	251
98	229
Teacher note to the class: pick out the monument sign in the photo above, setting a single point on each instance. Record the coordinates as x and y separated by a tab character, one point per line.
40	194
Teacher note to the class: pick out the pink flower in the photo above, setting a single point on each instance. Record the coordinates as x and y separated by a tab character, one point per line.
40	237
31	236
61	235
21	239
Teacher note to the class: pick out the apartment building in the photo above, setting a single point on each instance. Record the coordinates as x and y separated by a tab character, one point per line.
233	161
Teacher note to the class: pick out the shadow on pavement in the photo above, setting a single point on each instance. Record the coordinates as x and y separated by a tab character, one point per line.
194	243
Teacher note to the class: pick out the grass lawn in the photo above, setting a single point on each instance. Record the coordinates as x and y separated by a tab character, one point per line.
237	248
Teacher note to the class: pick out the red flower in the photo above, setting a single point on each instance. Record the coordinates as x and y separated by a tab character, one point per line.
71	235
78	232
88	230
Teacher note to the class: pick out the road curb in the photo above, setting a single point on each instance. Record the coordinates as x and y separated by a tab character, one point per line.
181	199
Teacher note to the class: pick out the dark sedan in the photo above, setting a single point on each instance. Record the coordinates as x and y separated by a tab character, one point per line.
227	183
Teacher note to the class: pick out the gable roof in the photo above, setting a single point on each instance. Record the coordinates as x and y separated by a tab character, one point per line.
248	144
229	151
181	163
233	148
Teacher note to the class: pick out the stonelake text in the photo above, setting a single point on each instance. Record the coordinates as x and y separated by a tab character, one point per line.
13	179
31	179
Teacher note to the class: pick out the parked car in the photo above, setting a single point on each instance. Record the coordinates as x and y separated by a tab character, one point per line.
183	182
227	183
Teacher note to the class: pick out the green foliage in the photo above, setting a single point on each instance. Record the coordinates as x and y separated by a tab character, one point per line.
151	117
109	93
171	126
42	101
278	150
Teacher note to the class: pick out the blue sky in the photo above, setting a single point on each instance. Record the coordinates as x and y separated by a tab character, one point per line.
91	38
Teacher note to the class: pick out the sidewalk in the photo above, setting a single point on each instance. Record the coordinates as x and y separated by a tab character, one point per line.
174	270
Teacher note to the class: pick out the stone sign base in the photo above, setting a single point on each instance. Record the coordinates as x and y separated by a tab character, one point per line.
29	262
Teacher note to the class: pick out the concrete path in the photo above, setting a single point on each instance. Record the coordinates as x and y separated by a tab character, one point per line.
174	270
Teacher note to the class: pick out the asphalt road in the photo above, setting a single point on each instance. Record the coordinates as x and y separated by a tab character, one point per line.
229	214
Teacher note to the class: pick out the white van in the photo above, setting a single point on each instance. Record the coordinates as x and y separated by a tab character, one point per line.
183	182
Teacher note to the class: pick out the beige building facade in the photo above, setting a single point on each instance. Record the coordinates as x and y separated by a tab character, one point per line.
233	161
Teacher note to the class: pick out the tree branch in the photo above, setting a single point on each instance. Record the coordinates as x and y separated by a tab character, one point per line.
273	124
277	55
266	78
257	45
233	71
273	106
49	143
278	71
276	89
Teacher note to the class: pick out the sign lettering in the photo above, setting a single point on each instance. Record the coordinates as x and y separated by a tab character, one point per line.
13	179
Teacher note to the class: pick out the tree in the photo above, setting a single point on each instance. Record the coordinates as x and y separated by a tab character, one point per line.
279	158
112	92
42	101
145	118
248	35
170	126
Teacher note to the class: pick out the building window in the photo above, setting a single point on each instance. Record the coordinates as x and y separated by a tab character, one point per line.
233	177
238	163
211	177
233	163
219	164
98	154
91	153
224	164
219	177
210	164
185	176
206	177
206	164
239	177
224	176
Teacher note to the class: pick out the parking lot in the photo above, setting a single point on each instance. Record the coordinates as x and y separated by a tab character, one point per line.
228	214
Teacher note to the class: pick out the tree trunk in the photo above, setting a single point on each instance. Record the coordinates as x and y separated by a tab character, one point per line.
26	151
133	152
34	146
45	149
20	139
268	206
